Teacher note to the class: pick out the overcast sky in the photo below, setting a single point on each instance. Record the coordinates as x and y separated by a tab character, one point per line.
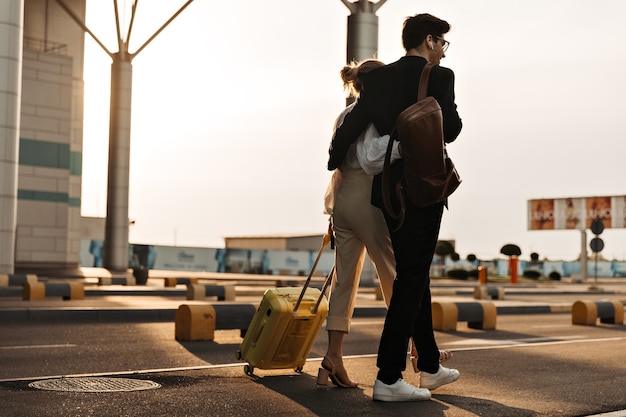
234	104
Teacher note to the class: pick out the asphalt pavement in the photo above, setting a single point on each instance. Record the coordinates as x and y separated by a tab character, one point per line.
114	354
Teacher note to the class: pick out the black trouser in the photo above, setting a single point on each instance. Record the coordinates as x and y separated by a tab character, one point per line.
410	311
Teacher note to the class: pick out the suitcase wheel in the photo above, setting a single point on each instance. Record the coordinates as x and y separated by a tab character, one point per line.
299	369
249	370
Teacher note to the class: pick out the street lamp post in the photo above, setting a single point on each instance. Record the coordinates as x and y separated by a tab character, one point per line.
362	31
116	229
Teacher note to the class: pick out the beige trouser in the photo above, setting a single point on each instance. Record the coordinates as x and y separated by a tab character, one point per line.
358	226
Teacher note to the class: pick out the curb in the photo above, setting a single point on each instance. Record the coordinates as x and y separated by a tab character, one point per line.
148	315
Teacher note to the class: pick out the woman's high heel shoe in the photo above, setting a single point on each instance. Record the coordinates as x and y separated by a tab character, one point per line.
337	375
444	355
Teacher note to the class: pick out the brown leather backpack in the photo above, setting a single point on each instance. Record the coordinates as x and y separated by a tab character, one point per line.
429	174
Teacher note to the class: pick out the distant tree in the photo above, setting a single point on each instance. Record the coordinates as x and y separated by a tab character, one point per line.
455	256
511	250
458	274
534	257
554	275
531	273
444	248
471	258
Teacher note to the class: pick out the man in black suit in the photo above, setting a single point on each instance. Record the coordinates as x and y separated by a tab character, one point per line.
387	92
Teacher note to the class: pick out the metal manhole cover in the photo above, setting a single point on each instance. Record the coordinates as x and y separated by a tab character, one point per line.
94	384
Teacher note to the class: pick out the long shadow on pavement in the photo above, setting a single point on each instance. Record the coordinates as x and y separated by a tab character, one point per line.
332	401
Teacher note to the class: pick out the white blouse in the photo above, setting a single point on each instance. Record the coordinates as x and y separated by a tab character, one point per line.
367	153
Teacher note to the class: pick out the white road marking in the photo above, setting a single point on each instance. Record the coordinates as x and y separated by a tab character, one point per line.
241	364
533	340
67	345
620	413
548	343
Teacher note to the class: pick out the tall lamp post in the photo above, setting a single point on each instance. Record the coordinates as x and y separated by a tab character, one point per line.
362	31
116	229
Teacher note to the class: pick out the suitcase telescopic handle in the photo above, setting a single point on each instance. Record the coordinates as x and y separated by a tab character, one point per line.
325	242
329	278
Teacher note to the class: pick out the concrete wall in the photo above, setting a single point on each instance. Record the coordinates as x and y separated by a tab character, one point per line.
51	136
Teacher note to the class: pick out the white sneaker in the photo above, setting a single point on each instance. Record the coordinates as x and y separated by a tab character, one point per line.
442	377
399	391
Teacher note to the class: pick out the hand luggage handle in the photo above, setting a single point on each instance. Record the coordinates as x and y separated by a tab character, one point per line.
329	278
325	241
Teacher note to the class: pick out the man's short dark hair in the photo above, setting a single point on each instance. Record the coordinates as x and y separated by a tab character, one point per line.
416	28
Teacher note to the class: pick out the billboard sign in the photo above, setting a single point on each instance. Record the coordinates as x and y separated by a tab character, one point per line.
576	213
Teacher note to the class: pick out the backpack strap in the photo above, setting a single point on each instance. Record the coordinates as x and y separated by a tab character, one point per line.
422	90
386	182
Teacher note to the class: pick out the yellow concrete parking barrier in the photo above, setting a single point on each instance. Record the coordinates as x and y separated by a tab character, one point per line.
20	279
201	291
478	315
128	280
195	322
199	321
379	294
588	312
172	282
33	291
493	292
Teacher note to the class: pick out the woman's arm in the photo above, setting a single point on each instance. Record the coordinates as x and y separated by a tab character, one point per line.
346	134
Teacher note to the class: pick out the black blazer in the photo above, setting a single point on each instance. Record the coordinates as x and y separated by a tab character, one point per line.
387	91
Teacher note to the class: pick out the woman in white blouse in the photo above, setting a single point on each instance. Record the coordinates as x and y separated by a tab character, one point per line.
358	226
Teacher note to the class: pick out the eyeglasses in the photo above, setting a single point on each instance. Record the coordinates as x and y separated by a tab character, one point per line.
444	43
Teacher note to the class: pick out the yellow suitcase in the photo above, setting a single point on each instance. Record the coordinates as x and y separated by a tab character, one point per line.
285	326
